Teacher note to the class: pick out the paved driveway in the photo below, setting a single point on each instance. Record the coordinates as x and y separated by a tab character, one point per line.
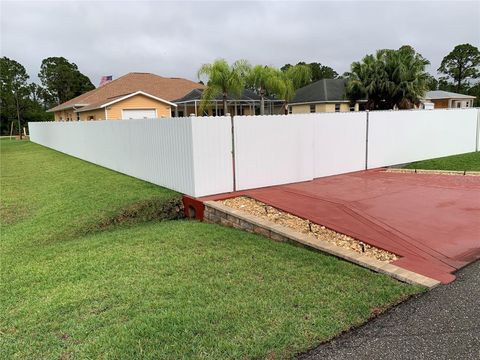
441	324
431	221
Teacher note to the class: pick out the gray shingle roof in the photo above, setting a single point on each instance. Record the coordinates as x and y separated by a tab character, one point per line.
439	94
325	90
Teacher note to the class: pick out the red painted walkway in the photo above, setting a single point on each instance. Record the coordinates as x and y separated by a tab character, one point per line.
431	221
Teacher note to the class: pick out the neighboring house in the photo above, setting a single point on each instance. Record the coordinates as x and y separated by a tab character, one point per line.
132	96
326	95
247	104
445	99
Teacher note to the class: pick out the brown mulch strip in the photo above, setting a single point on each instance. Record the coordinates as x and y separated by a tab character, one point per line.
277	216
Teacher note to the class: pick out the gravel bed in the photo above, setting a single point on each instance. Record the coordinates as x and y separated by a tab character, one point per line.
264	211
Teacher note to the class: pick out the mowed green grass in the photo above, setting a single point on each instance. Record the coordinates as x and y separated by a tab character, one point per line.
463	162
48	196
77	285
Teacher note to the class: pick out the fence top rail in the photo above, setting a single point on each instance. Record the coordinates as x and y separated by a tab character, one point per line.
423	110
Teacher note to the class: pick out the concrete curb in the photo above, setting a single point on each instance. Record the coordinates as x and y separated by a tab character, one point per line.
439	172
220	214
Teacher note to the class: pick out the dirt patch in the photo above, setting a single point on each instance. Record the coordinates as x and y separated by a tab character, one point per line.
140	212
147	211
14	213
277	216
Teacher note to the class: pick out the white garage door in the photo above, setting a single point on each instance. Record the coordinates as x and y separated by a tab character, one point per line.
139	114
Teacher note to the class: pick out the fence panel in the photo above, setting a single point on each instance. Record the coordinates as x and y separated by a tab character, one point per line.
398	137
477	147
212	152
340	143
160	151
273	150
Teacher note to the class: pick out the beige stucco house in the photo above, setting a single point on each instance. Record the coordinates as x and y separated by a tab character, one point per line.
132	96
326	95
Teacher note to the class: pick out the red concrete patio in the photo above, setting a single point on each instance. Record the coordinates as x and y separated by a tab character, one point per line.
431	221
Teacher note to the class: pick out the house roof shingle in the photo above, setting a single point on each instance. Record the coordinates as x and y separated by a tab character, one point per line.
158	86
331	90
440	94
325	90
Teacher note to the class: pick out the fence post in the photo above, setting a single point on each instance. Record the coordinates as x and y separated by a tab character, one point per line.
477	145
232	122
366	139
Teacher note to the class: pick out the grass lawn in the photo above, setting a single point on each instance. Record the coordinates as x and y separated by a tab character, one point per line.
92	266
468	162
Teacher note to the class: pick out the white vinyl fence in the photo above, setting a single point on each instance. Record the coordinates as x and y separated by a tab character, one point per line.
193	155
272	150
339	143
189	155
399	137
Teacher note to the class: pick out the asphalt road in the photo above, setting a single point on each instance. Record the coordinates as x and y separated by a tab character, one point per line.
441	324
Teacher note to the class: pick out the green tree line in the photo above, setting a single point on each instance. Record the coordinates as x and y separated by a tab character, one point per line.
231	80
387	79
22	101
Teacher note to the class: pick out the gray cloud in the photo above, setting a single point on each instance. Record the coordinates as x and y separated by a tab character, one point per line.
175	38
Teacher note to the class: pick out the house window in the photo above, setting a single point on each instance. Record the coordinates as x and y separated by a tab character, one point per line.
91	117
459	104
78	117
467	104
312	108
337	107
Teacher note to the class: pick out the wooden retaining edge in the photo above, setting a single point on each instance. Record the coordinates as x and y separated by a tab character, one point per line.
220	214
439	172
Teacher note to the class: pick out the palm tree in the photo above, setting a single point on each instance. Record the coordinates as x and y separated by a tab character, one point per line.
223	79
293	78
389	78
367	79
264	79
409	77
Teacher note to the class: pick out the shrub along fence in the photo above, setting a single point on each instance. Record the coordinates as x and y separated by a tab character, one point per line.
201	156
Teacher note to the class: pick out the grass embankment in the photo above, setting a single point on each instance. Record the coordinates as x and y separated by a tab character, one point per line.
87	273
463	162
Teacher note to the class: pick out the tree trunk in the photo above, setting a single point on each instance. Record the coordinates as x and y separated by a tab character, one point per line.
225	109
459	81
262	101
286	108
18	117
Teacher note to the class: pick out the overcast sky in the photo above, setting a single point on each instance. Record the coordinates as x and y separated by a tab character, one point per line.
175	38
